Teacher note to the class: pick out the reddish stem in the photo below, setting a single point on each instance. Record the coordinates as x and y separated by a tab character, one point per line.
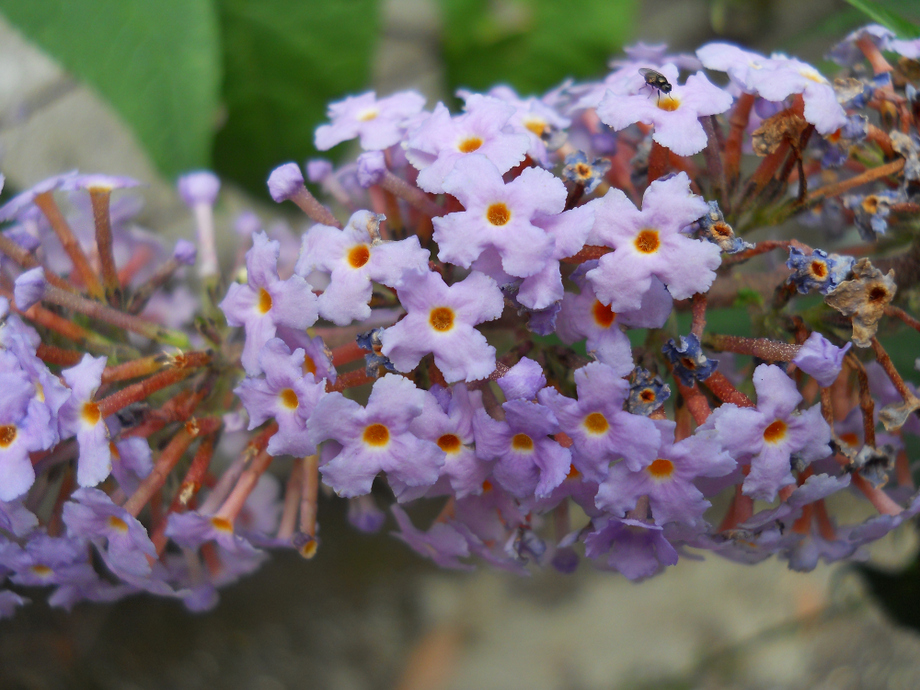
723	389
100	198
45	202
738	121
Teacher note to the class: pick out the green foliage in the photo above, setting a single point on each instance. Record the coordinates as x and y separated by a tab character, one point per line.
284	61
901	26
530	44
157	63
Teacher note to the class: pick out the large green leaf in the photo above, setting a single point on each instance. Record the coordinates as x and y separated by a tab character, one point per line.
888	18
156	61
284	60
531	44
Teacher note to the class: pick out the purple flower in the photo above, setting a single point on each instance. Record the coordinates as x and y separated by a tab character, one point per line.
441	141
29	288
820	359
668	480
848	53
379	123
499	216
602	432
47	560
770	435
9	602
372	166
522	381
440	320
354	257
375	438
583	315
266	301
675	115
527	462
442	543
649	243
131	462
199	188
121	540
16	519
634	548
192	529
776	78
447	420
185	252
533	118
80	416
286	395
24	423
567	231
284	182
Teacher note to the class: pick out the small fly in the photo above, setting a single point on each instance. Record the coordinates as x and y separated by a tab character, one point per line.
656	80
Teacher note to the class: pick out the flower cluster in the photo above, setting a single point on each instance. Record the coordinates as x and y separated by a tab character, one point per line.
491	330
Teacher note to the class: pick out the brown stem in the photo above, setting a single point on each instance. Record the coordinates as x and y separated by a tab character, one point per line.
698	310
658	162
247	482
738	121
22	257
310	491
903	316
189	486
763	348
168	459
723	389
104	313
879	64
143	389
587	253
846	185
52	354
413	196
315	210
100	198
45	202
866	404
714	158
882	358
350	379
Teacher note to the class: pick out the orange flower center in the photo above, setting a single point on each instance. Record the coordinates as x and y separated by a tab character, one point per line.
289	398
596	423
668	103
449	443
647	241
522	443
90	413
376	435
604	316
498	214
265	301
7	435
441	318
469	144
776	432
221	524
661	468
358	255
117	524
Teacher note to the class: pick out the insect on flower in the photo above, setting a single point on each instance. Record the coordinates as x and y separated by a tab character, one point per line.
656	80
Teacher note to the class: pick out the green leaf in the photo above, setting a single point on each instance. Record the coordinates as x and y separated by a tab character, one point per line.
901	26
155	62
284	61
531	44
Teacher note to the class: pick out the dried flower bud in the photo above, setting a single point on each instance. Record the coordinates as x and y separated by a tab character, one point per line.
864	299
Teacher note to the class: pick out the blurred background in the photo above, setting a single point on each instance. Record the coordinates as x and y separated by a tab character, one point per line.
152	89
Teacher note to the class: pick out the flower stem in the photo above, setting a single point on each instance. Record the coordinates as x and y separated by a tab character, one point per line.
763	348
49	207
100	199
308	505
